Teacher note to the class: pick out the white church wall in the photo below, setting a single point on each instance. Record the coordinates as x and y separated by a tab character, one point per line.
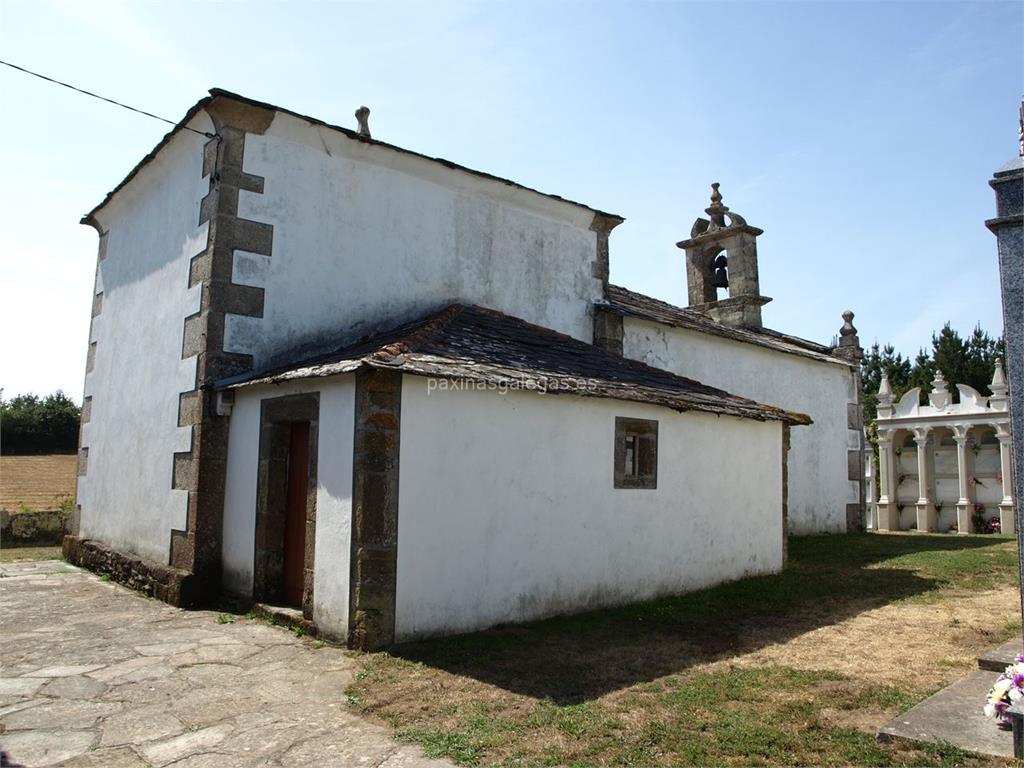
819	484
333	497
507	510
132	433
366	237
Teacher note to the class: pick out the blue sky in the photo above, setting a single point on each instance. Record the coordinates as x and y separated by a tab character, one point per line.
859	136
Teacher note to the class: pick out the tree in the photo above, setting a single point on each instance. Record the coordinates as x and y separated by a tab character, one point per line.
875	363
970	362
29	424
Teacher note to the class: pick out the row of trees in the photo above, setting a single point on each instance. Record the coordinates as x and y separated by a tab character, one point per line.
962	361
30	424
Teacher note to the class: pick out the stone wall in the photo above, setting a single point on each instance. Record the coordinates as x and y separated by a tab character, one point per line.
172	585
32	529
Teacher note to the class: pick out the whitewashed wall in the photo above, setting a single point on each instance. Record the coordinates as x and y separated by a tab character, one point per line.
819	485
126	496
333	496
365	237
507	510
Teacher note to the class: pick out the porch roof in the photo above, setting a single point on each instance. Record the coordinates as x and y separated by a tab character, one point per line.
476	344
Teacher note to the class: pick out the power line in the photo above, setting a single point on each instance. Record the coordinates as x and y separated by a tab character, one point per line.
104	98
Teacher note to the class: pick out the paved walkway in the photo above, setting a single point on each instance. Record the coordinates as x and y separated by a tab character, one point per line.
93	674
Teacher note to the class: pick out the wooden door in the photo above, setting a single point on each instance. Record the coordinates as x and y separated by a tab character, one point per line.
295	516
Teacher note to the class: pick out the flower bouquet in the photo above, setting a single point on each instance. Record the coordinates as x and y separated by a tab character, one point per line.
1008	689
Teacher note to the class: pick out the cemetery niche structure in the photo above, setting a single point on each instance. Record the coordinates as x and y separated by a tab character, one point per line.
943	465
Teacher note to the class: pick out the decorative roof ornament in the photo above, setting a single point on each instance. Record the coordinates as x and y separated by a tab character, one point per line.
849	342
717	212
848	334
363	116
998	401
885	390
939	396
717	209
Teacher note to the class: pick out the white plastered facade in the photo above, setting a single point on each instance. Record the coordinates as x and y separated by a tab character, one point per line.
125	494
507	509
366	237
819	480
333	495
507	506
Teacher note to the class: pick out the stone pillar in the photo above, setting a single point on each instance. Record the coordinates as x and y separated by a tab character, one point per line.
887	517
849	349
964	505
1007	519
1008	227
373	577
927	516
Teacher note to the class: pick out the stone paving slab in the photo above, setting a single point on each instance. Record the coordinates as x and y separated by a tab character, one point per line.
954	716
96	675
1000	657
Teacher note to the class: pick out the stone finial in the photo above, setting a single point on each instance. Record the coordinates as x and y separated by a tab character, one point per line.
363	116
849	342
717	209
998	386
939	396
885	390
848	334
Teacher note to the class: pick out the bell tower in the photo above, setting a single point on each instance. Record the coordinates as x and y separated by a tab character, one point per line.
722	254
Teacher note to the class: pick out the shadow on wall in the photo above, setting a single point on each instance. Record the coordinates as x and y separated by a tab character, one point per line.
574	659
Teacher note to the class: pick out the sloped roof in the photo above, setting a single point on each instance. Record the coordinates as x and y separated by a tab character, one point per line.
476	344
220	93
632	304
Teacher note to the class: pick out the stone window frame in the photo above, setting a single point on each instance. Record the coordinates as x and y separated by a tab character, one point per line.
646	432
276	417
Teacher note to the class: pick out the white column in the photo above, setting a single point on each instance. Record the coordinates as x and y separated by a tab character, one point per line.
887	516
964	505
1007	518
927	517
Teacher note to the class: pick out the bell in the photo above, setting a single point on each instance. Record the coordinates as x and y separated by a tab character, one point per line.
721	279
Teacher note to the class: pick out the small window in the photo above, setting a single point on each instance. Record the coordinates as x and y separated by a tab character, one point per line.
636	453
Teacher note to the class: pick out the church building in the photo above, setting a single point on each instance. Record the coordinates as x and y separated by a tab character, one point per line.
400	396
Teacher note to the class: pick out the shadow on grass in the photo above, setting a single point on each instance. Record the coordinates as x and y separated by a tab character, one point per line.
573	659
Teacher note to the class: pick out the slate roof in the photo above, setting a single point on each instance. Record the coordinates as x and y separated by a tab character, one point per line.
475	344
354	135
632	304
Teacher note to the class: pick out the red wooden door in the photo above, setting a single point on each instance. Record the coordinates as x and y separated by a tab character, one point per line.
295	516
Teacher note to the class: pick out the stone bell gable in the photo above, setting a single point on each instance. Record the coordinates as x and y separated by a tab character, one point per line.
721	254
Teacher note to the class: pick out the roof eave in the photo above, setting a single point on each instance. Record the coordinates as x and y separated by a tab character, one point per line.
90	218
793	349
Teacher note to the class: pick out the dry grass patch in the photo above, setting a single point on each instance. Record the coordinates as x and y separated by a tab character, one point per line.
797	668
30	553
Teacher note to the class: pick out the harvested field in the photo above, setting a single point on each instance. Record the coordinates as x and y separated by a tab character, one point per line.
37	483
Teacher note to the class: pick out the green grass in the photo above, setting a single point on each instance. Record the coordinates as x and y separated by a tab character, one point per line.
16	554
632	686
